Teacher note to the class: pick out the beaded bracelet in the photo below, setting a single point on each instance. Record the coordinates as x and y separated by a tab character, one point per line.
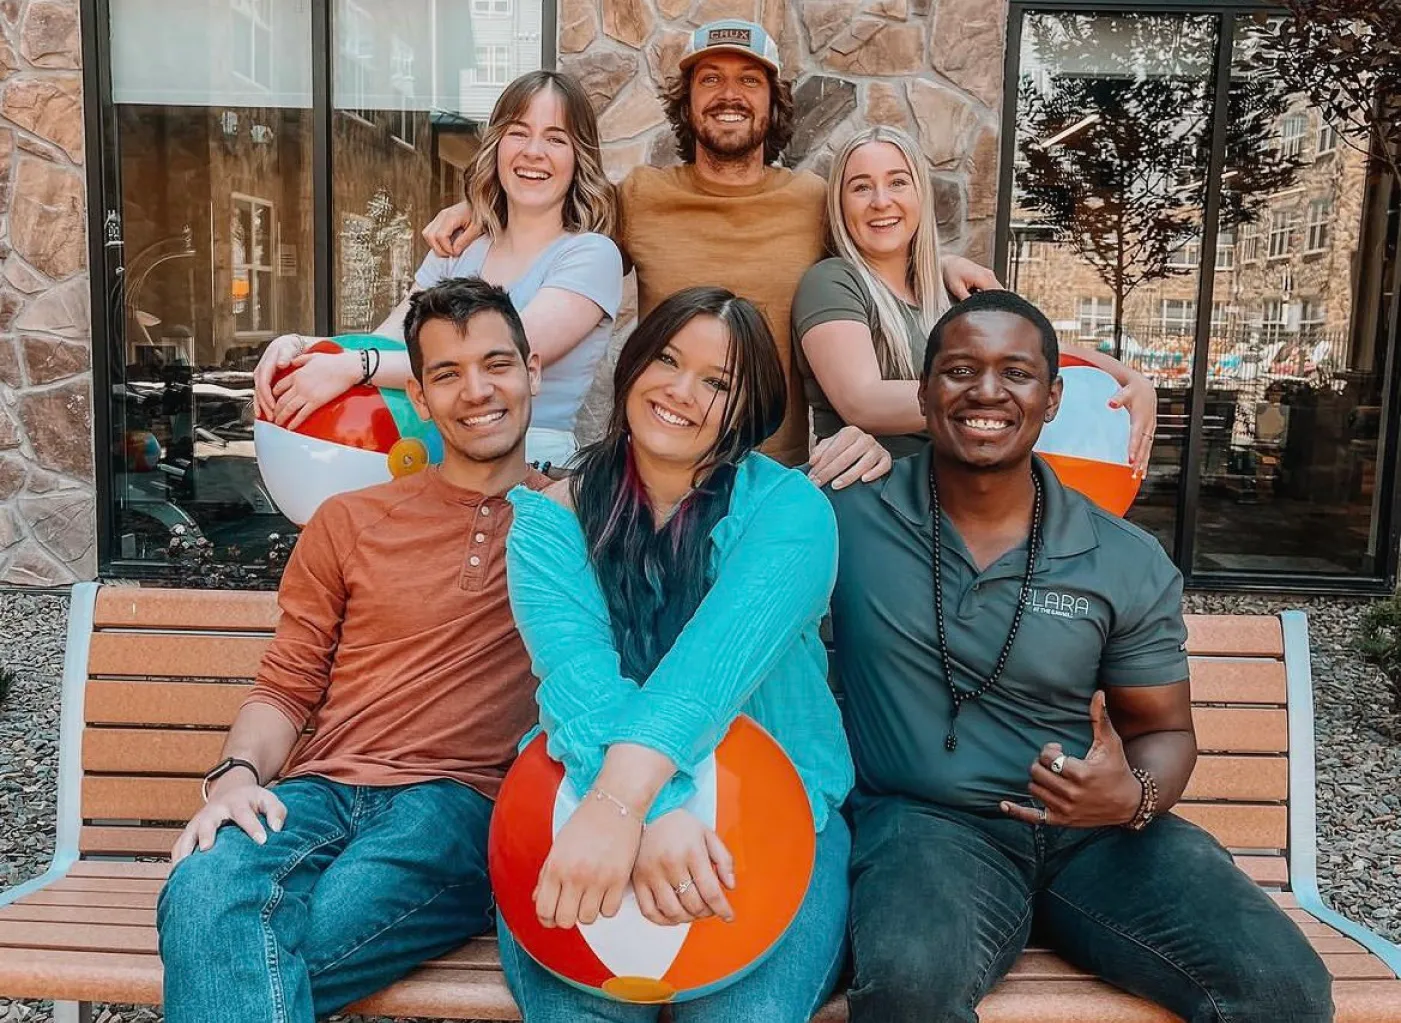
1148	805
367	373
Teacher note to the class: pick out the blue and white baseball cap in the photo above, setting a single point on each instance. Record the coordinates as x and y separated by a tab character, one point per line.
735	36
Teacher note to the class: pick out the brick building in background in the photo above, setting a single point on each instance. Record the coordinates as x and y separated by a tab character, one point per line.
264	166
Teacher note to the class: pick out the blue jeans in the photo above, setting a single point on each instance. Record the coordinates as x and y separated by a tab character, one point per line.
944	901
361	885
787	987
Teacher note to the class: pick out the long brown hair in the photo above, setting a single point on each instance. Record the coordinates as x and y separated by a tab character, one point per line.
591	203
676	97
655	578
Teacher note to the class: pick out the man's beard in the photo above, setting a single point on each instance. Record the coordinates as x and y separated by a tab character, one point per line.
733	145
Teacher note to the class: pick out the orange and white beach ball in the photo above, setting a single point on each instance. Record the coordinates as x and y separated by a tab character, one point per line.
365	436
1087	444
748	792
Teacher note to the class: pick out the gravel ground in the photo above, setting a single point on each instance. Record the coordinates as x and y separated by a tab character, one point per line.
1359	767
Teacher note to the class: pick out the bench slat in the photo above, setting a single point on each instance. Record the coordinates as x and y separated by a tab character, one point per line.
104	868
1237	680
158	608
1240	825
54	896
147	799
103	840
76	914
151	751
1241	729
170	655
163	703
1247	779
1234	636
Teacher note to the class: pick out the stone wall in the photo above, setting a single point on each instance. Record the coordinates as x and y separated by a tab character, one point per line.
932	67
47	505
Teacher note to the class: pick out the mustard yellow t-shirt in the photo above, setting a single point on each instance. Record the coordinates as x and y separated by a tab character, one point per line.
757	241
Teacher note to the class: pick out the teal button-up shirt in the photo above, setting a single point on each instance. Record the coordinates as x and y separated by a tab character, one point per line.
1105	609
752	646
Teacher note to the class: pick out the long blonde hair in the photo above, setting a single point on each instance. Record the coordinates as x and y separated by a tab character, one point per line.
591	204
889	333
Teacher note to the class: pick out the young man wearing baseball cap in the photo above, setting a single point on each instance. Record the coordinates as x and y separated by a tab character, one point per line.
728	217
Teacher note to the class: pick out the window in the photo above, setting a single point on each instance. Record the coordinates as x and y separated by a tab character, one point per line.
250	48
1281	229
1096	315
355	68
404	126
1320	212
1249	243
1292	130
491	8
1179	317
1220	316
1327	140
1313	314
1273	316
1187	255
1226	250
1028	251
252	244
493	66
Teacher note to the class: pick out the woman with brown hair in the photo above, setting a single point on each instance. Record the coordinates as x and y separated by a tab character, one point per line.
543	210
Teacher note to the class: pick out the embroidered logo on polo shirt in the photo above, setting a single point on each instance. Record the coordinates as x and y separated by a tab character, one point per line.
1059	605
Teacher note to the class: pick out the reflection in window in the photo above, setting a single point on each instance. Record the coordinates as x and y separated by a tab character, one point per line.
493	66
1281	233
1327	138
1320	212
1096	317
1291	134
355	68
491	8
251	246
251	49
1179	316
1225	250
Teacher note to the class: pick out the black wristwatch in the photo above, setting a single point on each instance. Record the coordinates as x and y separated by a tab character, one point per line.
222	768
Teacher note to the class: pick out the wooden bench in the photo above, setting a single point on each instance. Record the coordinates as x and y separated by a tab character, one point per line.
153	677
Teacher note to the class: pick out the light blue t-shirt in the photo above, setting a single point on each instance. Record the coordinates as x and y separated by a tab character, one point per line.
586	264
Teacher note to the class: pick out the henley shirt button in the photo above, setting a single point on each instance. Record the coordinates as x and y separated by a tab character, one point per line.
480	537
486	509
474	561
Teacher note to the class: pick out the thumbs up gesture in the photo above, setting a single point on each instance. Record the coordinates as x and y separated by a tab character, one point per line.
1098	791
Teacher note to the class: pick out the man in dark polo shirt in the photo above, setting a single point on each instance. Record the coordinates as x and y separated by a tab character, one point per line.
1019	735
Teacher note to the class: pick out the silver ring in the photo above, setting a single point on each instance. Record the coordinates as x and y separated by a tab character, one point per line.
1058	764
684	886
1044	814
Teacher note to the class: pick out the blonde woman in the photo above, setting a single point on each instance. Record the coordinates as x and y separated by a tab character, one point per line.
543	212
861	318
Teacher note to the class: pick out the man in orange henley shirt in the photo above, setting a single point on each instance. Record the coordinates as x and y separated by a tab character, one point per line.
397	645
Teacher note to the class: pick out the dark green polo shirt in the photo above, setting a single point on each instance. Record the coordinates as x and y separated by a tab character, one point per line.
1105	610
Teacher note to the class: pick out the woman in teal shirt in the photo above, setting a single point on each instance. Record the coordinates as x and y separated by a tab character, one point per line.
674	582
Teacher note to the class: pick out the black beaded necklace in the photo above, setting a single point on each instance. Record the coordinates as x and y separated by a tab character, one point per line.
1033	549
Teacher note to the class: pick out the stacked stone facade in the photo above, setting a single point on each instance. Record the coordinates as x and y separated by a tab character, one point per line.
47	501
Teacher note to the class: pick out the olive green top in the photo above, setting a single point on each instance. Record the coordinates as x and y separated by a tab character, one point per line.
832	292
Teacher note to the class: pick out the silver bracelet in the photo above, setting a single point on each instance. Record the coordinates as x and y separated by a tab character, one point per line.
623	809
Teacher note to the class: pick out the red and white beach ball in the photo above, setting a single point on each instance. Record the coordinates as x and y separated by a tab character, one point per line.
363	437
1087	444
750	794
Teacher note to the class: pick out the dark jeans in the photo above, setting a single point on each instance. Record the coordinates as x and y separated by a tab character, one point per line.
943	902
361	885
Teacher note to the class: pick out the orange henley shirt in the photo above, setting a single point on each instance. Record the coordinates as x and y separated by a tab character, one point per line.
396	640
